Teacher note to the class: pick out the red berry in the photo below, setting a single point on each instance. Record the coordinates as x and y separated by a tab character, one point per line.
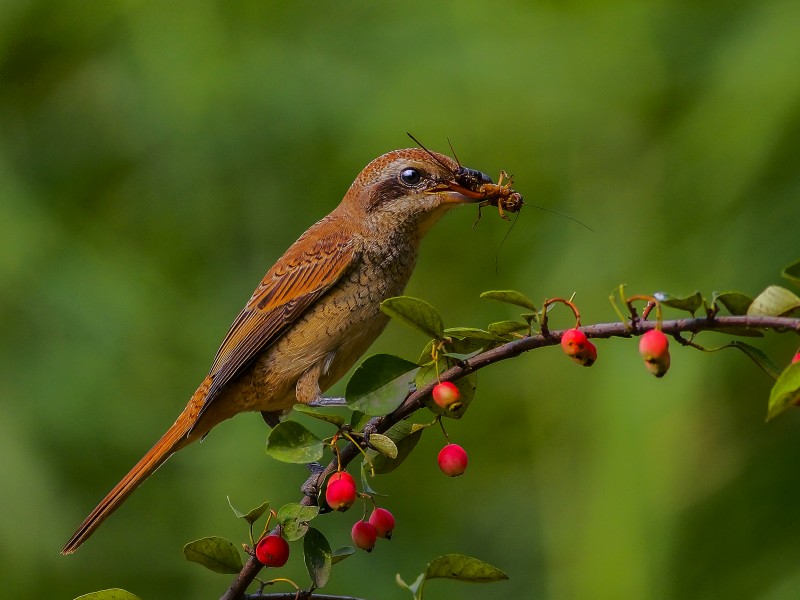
340	494
383	522
577	346
364	535
446	395
653	344
654	348
452	460
272	551
342	475
573	341
796	358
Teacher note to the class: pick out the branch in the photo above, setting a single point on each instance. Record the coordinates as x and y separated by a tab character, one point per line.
297	596
415	400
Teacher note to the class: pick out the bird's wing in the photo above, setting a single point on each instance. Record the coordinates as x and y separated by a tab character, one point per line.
296	281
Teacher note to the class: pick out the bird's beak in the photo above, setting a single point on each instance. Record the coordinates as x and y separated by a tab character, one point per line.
455	193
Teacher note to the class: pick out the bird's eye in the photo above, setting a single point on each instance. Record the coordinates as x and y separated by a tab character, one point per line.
410	176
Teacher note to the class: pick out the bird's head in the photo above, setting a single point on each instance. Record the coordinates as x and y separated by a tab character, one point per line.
411	188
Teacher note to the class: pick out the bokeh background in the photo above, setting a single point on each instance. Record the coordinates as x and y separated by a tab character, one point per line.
156	158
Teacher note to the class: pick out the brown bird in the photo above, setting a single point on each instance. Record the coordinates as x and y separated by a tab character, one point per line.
317	309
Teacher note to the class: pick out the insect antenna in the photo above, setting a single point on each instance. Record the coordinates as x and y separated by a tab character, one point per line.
431	154
453	150
560	214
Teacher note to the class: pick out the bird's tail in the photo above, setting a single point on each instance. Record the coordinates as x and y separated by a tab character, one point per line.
174	439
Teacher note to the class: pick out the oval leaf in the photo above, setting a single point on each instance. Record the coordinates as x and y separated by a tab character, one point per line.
785	392
110	594
415	313
252	515
475	334
510	297
463	568
341	553
312	412
214	553
735	302
291	442
318	557
773	302
380	384
758	357
294	518
687	303
506	327
383	444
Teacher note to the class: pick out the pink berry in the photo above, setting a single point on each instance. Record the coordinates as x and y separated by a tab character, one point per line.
272	551
364	535
452	460
383	522
340	495
654	348
796	358
446	395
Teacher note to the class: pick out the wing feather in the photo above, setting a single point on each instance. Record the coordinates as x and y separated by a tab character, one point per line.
297	280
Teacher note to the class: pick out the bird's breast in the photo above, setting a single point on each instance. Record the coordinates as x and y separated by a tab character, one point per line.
336	330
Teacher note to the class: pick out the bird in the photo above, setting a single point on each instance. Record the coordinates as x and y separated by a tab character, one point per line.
317	310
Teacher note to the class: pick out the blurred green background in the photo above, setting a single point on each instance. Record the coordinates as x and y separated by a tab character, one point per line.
156	158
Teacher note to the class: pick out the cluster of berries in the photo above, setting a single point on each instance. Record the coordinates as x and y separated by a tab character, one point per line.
341	494
654	348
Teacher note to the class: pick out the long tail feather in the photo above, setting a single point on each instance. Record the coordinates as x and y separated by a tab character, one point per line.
174	439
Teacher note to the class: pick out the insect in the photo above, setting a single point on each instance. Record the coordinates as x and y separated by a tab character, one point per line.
477	185
500	195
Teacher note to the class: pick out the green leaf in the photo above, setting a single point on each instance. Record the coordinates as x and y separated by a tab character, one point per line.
214	553
110	594
475	334
506	327
341	553
786	391
758	357
252	515
291	442
463	568
380	384
316	414
318	557
383	444
294	518
792	273
736	303
773	302
405	435
510	297
415	313
688	303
